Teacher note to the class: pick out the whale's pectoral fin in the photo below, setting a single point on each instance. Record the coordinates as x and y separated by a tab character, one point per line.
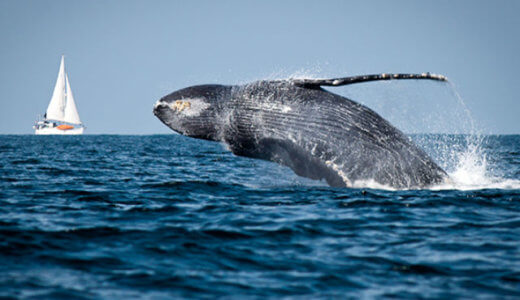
316	83
292	156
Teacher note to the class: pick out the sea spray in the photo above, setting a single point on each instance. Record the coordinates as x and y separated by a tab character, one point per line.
471	167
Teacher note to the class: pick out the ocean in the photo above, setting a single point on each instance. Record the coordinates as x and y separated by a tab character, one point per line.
166	216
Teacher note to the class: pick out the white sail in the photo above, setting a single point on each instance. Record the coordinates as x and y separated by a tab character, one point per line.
71	112
56	108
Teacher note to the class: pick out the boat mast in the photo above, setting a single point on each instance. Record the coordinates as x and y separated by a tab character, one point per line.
56	108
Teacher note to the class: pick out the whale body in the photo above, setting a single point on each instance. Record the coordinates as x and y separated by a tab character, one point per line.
297	123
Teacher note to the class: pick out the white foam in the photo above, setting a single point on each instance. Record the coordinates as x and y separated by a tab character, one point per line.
372	184
472	172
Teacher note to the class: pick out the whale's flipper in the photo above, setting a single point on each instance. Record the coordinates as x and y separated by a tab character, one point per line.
291	155
316	83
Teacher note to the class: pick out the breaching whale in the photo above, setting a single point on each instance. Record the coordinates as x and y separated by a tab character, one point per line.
297	123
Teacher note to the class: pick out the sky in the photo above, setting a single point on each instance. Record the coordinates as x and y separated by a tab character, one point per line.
122	56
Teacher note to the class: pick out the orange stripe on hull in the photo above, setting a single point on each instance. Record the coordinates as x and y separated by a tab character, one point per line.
65	127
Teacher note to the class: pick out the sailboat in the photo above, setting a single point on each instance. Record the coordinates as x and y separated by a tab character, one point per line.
62	115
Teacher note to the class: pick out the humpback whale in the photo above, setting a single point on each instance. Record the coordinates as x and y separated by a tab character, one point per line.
299	124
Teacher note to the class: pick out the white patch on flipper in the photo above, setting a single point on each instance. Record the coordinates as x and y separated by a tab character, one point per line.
340	173
367	183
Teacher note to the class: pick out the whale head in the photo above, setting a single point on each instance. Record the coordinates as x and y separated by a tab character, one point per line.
194	111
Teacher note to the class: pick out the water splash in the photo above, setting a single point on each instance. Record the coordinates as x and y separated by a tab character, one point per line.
471	166
471	169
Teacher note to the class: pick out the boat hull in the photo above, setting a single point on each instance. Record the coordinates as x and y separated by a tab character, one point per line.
56	131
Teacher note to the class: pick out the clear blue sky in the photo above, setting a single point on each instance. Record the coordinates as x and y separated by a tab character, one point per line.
121	56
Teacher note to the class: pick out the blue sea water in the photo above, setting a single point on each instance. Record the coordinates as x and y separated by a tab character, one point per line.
153	217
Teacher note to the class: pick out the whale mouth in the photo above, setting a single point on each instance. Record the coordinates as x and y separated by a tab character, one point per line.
159	104
159	108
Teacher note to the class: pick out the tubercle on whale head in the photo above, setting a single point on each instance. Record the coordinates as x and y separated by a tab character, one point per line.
194	111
